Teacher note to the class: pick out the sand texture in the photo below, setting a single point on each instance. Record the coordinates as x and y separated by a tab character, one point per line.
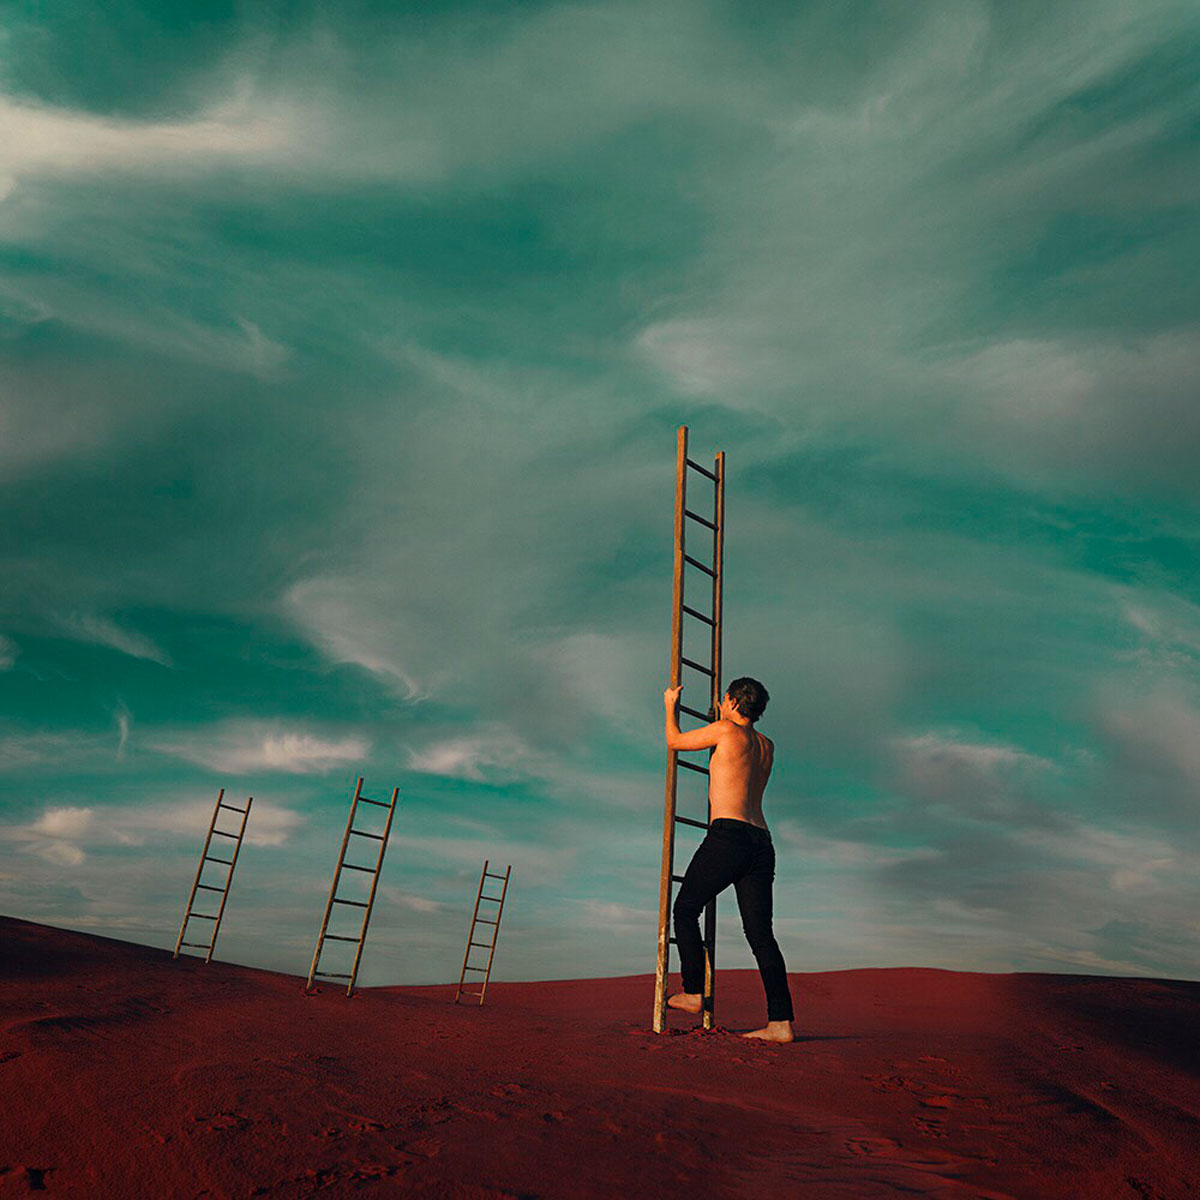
125	1074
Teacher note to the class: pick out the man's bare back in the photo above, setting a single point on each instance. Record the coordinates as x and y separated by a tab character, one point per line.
738	772
741	760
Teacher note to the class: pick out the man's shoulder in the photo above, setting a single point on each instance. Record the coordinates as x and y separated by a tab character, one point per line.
746	732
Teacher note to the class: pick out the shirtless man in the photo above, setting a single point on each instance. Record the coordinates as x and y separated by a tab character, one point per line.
737	850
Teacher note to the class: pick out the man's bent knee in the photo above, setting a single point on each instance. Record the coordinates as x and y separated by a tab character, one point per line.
761	940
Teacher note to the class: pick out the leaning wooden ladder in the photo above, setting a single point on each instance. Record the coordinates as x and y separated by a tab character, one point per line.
705	570
189	913
366	905
494	922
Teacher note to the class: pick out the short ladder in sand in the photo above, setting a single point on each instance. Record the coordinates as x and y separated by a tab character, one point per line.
699	554
222	890
360	936
476	920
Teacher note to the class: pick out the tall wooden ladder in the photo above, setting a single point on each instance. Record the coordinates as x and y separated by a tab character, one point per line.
477	920
358	937
699	553
221	889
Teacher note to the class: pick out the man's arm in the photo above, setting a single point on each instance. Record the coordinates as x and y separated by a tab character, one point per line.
694	739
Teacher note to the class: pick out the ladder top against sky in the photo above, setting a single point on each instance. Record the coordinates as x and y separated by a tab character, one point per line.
706	567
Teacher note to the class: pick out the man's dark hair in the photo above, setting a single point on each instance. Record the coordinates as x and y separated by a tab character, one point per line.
749	697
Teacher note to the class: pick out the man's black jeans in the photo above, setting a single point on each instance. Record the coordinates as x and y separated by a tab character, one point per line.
742	854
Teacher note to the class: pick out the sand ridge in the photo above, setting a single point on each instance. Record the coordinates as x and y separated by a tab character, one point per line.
125	1073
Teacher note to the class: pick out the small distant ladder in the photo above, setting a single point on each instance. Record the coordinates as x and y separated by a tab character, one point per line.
189	913
476	920
342	865
701	564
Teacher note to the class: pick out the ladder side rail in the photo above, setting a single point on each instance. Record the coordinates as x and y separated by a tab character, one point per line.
718	581
337	874
663	963
362	937
237	849
462	975
487	974
187	912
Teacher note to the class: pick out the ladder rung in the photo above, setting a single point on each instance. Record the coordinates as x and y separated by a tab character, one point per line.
493	875
356	903
485	945
695	712
198	945
676	878
672	942
495	898
337	937
485	921
351	867
209	888
367	800
699	615
202	916
329	975
703	470
231	807
695	666
377	836
222	833
683	762
689	821
227	861
687	512
697	563
483	969
465	993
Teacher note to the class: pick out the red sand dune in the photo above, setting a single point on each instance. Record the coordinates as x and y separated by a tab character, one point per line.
125	1074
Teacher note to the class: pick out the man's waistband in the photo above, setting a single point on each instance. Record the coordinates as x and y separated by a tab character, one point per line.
744	828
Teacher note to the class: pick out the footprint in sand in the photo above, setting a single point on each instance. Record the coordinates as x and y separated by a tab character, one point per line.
365	1125
220	1122
888	1083
872	1145
1147	1191
929	1127
509	1089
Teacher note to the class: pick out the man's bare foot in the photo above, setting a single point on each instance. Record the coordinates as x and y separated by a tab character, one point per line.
774	1031
690	1002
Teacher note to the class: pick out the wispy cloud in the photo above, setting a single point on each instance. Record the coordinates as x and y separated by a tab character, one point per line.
491	753
124	722
37	139
246	747
103	631
70	747
8	653
331	611
944	766
1157	735
66	834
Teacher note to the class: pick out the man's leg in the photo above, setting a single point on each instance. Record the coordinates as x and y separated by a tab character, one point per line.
755	903
718	861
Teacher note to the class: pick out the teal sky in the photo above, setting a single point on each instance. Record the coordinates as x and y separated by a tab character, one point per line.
341	353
